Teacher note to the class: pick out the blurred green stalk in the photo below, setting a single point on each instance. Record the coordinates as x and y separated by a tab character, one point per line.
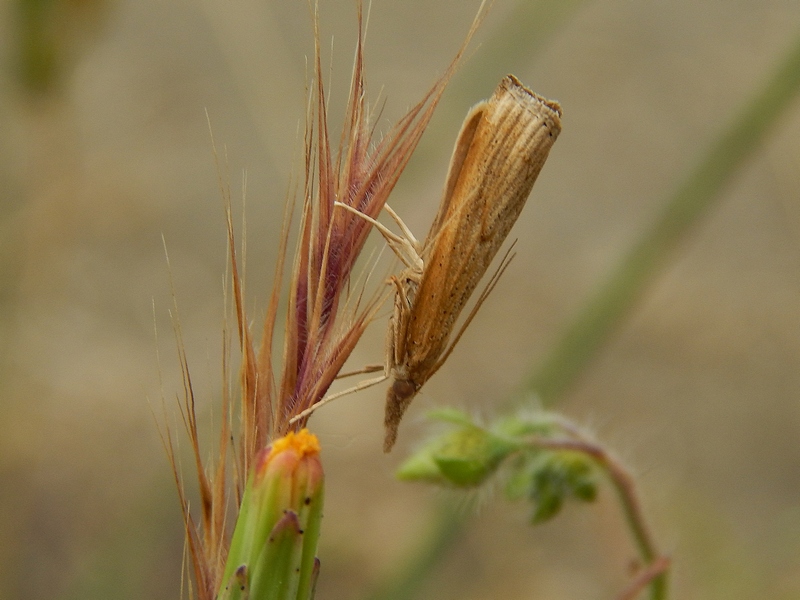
613	301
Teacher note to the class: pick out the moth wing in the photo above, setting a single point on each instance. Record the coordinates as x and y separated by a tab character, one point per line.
461	150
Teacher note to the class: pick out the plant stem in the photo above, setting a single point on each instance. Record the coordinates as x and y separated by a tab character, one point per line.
644	578
625	486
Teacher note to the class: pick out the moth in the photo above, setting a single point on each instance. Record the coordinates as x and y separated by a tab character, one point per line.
500	150
498	155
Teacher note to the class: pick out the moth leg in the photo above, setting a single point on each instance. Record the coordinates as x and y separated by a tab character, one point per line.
405	248
364	369
361	385
403	227
405	291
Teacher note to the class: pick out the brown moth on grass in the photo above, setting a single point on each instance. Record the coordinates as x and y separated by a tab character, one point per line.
500	150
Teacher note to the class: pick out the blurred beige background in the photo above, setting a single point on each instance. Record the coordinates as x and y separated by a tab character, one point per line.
699	391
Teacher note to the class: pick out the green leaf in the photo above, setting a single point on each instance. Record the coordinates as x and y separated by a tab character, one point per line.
275	575
470	455
465	457
526	424
556	476
421	466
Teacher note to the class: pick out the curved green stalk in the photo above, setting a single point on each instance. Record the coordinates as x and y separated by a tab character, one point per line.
625	486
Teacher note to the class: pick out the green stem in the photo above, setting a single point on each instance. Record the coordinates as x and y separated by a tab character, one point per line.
625	486
613	301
